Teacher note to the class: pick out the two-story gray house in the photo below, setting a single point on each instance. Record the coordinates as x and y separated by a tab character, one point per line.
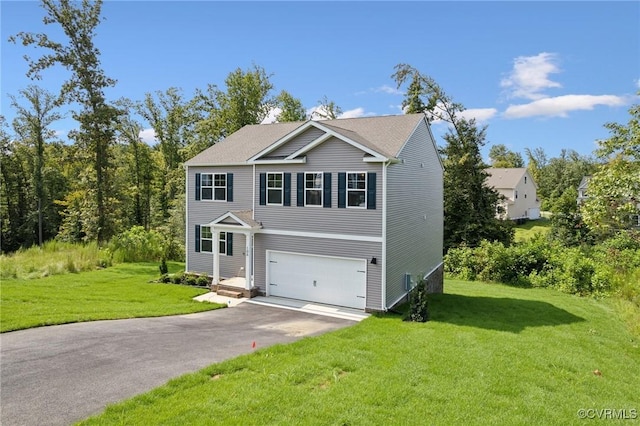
346	212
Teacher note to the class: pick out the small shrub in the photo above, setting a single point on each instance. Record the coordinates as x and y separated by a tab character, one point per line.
202	281
178	278
190	280
165	278
164	269
418	303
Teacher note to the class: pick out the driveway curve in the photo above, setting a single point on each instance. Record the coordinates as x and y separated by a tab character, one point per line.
62	374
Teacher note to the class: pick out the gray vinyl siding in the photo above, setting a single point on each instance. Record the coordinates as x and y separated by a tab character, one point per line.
297	143
203	212
415	214
332	156
325	247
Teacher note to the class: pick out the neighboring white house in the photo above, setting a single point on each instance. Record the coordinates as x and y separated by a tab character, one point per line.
345	212
519	189
582	189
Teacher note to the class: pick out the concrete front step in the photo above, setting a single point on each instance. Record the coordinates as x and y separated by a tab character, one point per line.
229	293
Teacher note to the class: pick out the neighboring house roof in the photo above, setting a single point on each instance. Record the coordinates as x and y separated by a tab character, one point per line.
505	178
584	182
385	135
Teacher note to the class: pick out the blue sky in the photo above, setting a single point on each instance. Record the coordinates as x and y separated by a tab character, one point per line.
539	74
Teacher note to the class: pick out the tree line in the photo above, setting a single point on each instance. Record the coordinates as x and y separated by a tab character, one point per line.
109	180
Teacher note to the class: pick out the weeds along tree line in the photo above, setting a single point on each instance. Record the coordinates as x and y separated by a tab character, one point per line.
109	187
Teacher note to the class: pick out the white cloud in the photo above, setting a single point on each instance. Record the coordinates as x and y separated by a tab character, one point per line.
148	136
560	106
382	89
353	113
480	114
530	76
272	117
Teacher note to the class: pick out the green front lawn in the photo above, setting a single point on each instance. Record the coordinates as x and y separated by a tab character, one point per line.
490	355
121	291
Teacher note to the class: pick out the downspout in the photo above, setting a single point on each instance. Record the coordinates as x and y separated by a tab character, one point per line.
384	235
186	218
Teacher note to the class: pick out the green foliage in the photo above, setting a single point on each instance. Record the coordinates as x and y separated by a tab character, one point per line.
291	108
541	262
418	303
138	245
567	226
502	157
53	258
203	281
164	269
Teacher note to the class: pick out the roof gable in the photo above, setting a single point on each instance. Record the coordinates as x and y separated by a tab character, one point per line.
505	178
380	138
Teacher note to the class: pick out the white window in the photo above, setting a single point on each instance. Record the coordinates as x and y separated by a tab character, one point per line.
213	186
274	188
206	239
357	189
313	189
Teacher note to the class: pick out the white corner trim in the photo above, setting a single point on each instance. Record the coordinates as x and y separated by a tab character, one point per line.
383	276
366	238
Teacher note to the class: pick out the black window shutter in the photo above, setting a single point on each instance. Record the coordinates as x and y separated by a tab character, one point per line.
300	190
229	244
326	202
263	189
342	190
287	189
371	191
197	186
197	238
229	186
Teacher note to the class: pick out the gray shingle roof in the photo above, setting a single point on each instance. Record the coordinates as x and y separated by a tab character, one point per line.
385	135
504	178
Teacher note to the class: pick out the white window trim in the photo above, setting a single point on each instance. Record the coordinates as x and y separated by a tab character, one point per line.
281	189
347	190
314	189
213	187
206	239
222	238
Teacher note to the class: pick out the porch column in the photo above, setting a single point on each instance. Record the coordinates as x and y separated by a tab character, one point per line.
216	256
248	271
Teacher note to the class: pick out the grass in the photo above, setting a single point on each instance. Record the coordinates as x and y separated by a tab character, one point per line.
491	354
53	258
121	291
529	229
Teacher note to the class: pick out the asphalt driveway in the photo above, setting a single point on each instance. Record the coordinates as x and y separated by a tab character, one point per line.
62	374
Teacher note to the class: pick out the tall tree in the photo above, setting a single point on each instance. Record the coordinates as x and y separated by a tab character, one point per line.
32	126
614	190
85	86
326	110
469	205
291	108
246	101
502	157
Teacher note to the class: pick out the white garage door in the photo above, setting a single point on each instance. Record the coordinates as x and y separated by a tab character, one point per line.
323	279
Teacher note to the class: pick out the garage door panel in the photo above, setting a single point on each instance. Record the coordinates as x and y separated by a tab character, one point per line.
323	279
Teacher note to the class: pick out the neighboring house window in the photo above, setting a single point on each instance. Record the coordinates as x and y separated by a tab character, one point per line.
357	189
525	195
525	179
274	188
516	194
204	241
313	189
214	186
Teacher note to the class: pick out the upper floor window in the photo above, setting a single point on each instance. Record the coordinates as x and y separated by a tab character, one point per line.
357	189
313	189
214	186
275	188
